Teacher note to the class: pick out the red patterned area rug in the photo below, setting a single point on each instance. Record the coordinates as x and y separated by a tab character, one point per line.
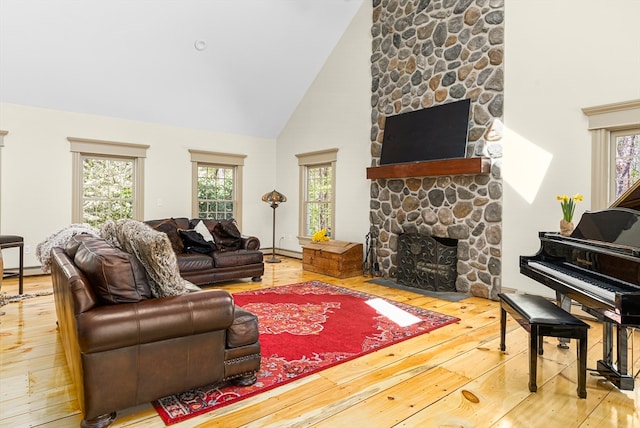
305	328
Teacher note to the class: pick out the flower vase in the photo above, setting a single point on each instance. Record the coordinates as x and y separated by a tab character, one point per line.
566	227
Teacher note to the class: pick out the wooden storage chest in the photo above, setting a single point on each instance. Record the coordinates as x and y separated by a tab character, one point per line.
340	259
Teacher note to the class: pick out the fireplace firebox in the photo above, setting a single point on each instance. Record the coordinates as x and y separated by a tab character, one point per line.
427	262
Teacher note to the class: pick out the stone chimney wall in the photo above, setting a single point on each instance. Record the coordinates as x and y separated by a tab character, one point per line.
427	53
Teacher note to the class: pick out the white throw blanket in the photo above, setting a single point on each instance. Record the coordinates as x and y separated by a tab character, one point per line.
60	239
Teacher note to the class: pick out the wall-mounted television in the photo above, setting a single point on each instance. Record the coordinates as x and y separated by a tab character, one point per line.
434	133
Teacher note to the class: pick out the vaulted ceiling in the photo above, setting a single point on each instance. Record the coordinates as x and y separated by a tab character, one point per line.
238	66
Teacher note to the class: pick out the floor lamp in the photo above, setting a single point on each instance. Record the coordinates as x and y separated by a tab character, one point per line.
274	198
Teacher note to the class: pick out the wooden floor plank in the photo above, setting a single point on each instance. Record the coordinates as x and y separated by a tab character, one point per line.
394	404
430	380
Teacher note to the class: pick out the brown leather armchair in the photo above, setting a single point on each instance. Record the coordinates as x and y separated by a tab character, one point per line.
136	349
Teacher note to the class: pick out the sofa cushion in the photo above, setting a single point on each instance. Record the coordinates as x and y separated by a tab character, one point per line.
209	223
170	227
227	235
244	330
74	242
190	262
114	275
153	250
236	258
194	242
203	230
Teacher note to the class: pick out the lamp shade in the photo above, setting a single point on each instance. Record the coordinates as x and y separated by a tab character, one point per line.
274	197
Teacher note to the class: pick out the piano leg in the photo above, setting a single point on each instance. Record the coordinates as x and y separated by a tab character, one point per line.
565	303
622	350
607	342
618	374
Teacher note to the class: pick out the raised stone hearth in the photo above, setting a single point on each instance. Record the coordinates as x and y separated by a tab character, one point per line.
426	53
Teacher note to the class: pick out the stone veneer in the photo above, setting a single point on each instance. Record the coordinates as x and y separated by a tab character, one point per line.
426	53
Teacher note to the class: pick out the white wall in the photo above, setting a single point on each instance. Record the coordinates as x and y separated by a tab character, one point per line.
335	113
36	170
560	56
36	162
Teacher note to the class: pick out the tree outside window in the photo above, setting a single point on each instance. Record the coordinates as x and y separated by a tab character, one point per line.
627	161
215	192
107	189
319	207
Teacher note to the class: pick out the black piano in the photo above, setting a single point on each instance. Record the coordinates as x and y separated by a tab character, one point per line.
598	266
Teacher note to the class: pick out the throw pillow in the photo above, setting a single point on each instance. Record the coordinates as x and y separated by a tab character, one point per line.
201	228
153	250
227	235
194	242
114	275
170	227
74	242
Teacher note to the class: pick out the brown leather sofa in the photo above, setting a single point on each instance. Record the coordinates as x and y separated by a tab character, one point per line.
235	256
125	348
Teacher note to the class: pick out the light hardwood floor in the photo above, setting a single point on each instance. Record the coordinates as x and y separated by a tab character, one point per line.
452	377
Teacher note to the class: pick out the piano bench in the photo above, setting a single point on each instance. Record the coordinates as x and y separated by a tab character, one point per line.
541	317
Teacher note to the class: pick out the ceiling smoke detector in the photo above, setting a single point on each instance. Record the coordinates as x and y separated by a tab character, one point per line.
200	45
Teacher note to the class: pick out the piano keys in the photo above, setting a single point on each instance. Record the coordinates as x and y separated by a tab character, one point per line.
598	266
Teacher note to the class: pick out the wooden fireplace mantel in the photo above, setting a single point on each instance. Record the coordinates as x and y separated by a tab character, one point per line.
458	166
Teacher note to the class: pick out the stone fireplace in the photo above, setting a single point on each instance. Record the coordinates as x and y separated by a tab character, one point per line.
427	53
427	262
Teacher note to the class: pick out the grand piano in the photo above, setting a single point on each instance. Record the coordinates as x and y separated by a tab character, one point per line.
598	266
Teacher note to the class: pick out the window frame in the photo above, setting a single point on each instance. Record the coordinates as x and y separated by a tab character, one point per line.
604	122
222	160
82	148
314	159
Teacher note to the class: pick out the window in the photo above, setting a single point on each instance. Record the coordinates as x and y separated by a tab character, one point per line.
107	181
625	155
107	189
217	185
615	130
215	192
317	193
318	199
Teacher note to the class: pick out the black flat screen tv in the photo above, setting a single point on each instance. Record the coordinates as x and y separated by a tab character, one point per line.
433	133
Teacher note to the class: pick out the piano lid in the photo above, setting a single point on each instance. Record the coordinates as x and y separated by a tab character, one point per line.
630	198
619	226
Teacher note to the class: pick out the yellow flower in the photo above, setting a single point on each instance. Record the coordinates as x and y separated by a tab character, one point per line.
568	205
320	236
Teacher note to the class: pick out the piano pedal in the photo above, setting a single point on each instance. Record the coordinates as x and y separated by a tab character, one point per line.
563	342
596	373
